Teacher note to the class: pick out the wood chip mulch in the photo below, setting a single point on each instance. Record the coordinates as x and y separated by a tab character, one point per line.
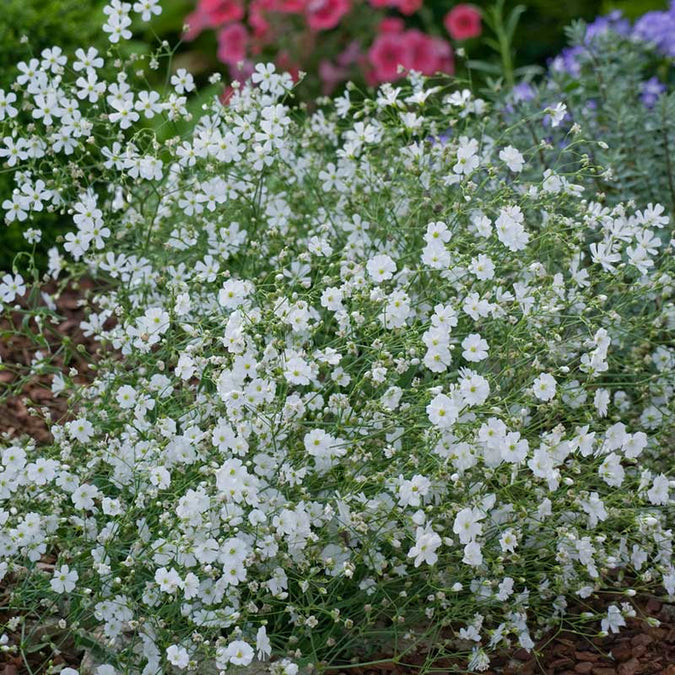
639	649
17	351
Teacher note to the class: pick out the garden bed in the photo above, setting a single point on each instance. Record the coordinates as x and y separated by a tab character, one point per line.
381	384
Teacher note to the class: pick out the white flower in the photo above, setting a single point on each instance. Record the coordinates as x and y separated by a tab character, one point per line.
658	493
508	541
146	8
185	368
557	113
595	508
442	411
427	543
512	158
81	430
262	644
64	580
297	371
467	157
483	267
263	75
613	621
182	81
105	669
475	348
411	492
6	107
12	287
126	397
473	554
381	268
89	60
601	402
544	387
467	524
83	497
178	656
514	449
437	232
168	580
510	228
475	389
611	470
238	653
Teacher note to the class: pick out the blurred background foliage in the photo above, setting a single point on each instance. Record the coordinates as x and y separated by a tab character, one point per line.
540	33
29	26
74	23
68	23
539	37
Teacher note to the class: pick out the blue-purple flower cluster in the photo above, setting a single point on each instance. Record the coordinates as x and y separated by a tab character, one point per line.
656	28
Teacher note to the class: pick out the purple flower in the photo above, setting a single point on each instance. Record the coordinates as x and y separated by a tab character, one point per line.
566	61
657	28
523	92
650	91
613	21
442	138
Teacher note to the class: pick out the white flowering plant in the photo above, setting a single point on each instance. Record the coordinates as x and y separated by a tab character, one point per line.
364	383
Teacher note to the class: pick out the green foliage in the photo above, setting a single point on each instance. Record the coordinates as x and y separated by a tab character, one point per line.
540	33
633	8
67	23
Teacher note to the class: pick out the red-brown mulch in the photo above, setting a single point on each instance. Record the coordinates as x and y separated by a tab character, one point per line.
639	649
17	351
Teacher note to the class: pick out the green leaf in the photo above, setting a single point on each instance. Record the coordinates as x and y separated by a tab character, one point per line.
492	43
484	66
514	18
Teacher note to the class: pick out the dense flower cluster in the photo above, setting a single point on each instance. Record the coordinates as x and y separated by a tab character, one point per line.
366	377
291	31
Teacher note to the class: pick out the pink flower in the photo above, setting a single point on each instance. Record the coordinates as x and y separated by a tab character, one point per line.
463	22
428	54
445	55
404	6
391	24
351	54
288	6
386	54
227	95
331	75
409	7
196	22
232	41
218	12
257	20
423	56
326	14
